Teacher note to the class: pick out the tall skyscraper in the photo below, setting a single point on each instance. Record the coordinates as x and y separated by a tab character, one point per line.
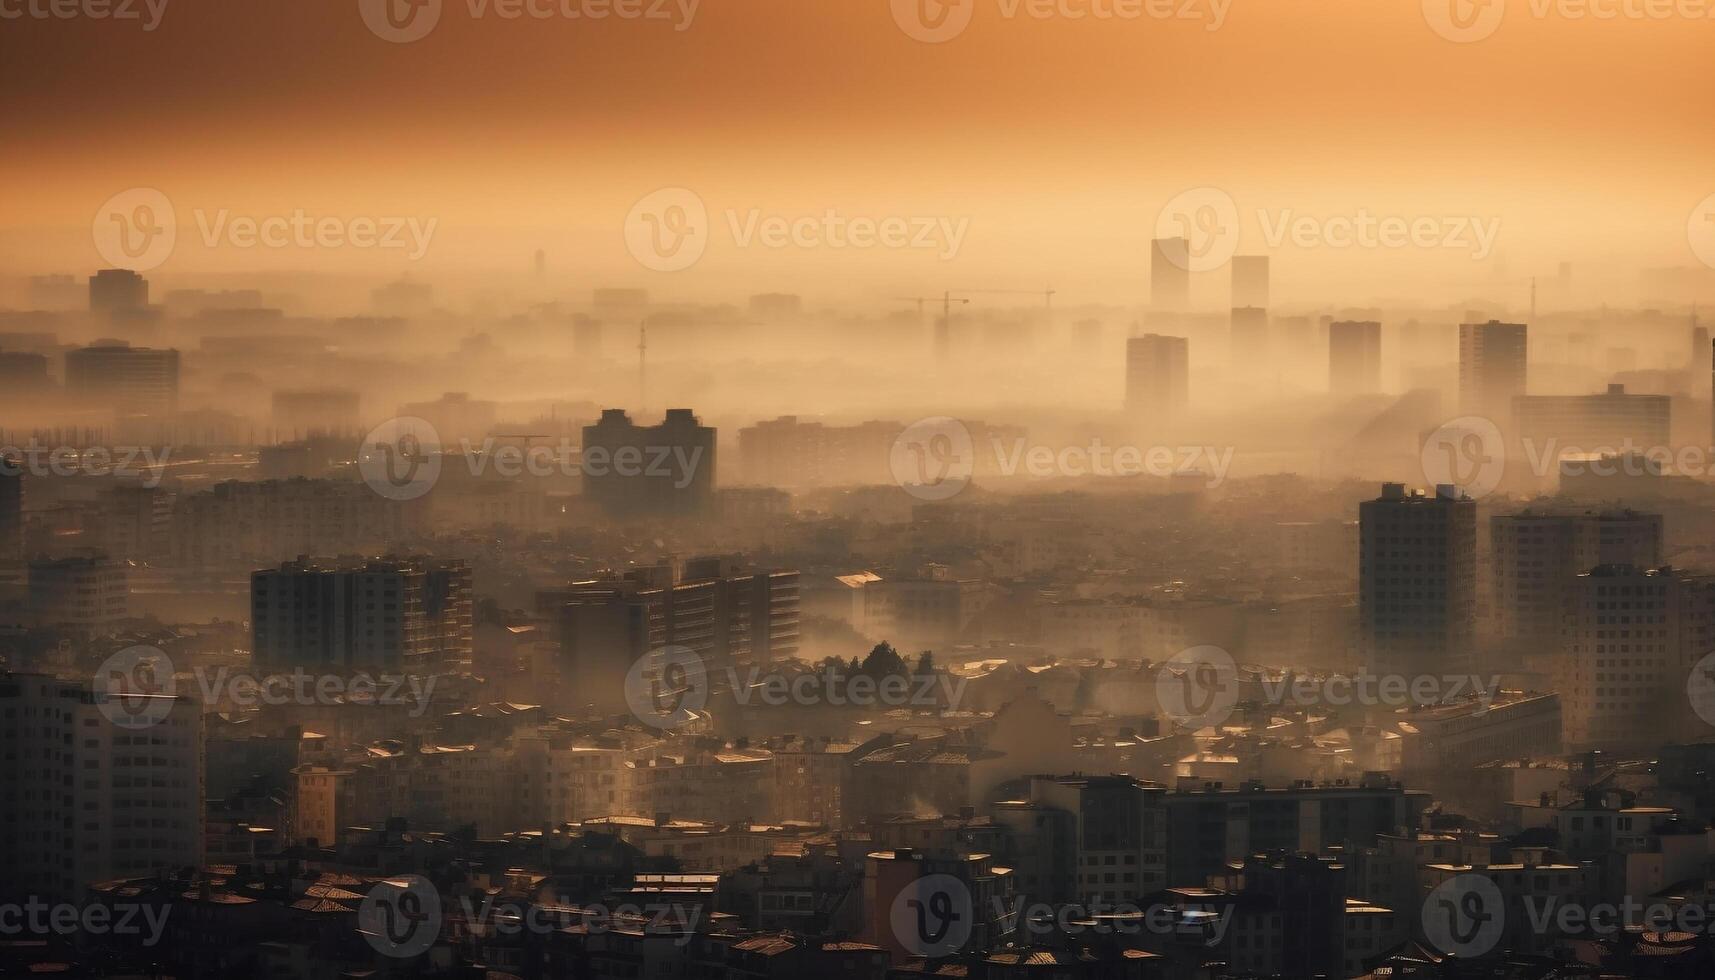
117	291
131	380
1354	357
1170	274
1491	368
1417	581
1157	378
1250	281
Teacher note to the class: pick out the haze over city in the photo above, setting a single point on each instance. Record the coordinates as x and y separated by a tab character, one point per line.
1081	489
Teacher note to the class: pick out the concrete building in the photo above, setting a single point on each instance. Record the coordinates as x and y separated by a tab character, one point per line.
1607	423
1157	379
1632	638
1491	368
1170	274
1104	838
82	594
1250	281
662	470
89	800
1417	588
1538	557
349	612
117	291
1354	357
130	380
1208	826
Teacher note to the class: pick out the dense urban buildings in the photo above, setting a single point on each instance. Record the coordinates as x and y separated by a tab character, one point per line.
889	491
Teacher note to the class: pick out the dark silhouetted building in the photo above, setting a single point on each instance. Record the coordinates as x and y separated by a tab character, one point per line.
1417	581
662	470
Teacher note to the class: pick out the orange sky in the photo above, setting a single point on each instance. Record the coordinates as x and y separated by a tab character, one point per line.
1058	139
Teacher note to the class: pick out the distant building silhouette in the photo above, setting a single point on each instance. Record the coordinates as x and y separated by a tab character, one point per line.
131	380
1417	585
348	612
1157	378
117	291
1492	368
1170	274
1354	357
1250	281
631	470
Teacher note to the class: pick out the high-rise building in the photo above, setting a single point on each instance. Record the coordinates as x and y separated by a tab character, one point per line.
1250	281
117	291
1538	557
11	509
1115	840
130	380
718	611
631	470
1249	337
1170	274
1157	378
91	800
1633	638
1354	357
1491	368
85	594
1417	588
1611	422
386	612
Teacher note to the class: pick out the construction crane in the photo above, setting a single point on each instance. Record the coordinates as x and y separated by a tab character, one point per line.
943	336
